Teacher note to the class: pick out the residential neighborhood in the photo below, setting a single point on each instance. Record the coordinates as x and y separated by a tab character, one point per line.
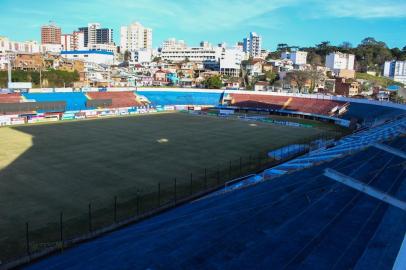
96	60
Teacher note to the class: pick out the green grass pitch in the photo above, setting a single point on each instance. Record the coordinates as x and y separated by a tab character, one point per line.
49	168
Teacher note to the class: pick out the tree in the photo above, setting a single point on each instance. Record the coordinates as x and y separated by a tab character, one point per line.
273	55
345	45
315	77
271	76
314	59
127	56
281	47
156	59
213	82
181	74
299	78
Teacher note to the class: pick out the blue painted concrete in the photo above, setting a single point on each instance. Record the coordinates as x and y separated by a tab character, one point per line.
181	98
74	101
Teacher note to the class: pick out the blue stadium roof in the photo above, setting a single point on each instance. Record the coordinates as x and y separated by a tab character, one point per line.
301	220
87	52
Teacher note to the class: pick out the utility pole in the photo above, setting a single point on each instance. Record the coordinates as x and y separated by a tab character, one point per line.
40	76
9	69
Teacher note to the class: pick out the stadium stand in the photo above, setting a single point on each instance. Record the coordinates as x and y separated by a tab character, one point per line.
286	217
118	99
369	113
74	101
10	98
300	220
313	106
181	98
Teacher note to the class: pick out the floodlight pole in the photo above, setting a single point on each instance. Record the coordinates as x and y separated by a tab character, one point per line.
9	69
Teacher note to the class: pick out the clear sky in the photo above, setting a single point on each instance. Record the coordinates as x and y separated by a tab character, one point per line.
296	22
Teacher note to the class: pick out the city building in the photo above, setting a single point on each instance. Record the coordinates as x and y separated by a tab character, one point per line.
230	62
67	42
73	42
346	87
140	56
261	86
108	47
338	60
173	44
51	48
135	37
10	46
28	61
341	64
78	41
194	54
50	34
94	34
395	70
90	56
297	57
252	45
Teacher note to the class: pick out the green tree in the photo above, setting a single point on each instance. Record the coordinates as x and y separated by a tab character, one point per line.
127	56
299	78
271	76
156	59
213	82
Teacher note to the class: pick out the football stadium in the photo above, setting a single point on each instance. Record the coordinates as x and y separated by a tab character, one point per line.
214	179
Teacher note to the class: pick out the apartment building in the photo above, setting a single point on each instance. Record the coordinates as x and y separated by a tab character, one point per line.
67	42
135	37
252	45
338	60
7	45
297	57
173	44
194	54
50	34
97	57
395	70
230	62
347	87
94	34
341	64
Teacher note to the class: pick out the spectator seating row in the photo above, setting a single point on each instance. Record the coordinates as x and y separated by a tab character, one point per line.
118	99
313	106
181	98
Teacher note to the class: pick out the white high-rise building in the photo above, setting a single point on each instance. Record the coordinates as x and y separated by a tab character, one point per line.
92	32
67	42
135	37
395	70
336	61
297	57
230	61
78	41
252	45
173	44
9	46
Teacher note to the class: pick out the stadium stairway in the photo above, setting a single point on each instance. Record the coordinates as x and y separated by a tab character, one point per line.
302	220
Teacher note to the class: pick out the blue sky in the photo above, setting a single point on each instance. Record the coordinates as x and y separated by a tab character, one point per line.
296	22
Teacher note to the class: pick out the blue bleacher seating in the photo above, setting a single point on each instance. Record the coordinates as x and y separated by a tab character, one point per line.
74	101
